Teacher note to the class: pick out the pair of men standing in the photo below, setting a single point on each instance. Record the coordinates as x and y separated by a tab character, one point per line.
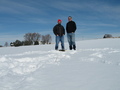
59	32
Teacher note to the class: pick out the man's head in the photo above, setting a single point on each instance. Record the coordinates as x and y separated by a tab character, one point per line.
69	18
59	21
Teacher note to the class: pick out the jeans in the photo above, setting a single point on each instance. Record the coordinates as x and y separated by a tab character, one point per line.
59	39
71	40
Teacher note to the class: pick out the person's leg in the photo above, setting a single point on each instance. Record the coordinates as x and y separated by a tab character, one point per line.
73	41
69	40
57	42
62	42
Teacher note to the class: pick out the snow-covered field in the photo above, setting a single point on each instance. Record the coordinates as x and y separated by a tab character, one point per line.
95	65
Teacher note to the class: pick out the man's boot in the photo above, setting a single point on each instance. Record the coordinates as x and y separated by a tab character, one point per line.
70	47
74	47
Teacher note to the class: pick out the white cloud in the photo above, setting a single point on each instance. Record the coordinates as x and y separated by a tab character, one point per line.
17	8
67	6
97	6
99	24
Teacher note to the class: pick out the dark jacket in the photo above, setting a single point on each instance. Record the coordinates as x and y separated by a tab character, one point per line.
59	30
71	27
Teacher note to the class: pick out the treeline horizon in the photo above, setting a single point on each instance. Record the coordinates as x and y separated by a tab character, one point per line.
31	39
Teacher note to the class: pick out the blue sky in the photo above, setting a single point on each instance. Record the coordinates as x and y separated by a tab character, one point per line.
94	18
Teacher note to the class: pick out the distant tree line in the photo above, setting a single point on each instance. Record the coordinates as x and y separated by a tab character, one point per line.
109	36
32	39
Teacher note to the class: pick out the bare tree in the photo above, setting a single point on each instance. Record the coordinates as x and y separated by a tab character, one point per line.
6	44
32	37
36	37
27	37
46	39
43	39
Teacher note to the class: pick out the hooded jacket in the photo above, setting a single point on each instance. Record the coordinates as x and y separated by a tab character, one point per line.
59	30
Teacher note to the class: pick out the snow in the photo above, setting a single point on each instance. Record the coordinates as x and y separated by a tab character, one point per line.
95	65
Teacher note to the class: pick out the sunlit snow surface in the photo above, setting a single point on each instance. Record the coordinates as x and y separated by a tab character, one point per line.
95	65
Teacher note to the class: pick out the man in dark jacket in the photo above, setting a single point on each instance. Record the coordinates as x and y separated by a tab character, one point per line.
71	28
59	32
